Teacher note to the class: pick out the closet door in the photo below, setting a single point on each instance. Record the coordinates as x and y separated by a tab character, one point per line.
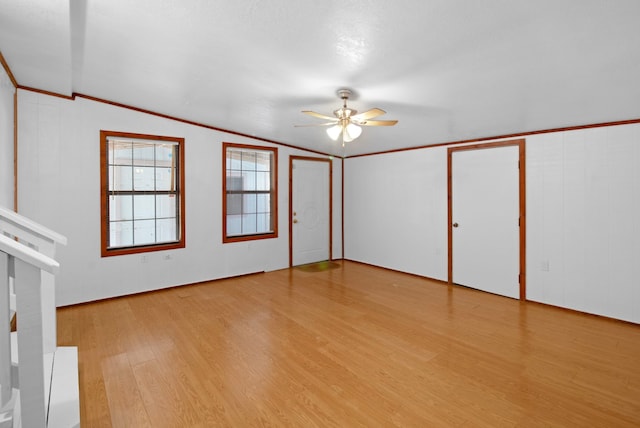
485	212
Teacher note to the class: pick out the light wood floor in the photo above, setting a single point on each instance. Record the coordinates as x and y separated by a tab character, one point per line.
347	347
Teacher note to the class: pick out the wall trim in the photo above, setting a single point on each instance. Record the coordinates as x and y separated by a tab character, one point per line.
160	290
71	97
75	95
12	78
506	136
342	208
7	69
578	312
15	151
428	278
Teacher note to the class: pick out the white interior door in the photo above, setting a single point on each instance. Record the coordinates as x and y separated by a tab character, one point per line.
310	211
485	215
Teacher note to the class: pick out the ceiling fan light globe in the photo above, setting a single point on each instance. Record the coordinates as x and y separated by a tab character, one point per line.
334	132
353	131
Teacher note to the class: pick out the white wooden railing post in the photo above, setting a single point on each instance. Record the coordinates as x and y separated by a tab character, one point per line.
33	396
38	379
28	265
6	381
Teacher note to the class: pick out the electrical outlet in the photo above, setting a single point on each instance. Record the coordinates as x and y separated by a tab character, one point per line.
144	259
544	265
168	257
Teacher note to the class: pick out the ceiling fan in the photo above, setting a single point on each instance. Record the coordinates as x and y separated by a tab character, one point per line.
347	122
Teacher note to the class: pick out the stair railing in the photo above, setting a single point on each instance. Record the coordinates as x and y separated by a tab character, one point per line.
27	267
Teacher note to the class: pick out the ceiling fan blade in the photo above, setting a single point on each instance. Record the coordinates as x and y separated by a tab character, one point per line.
378	122
317	124
369	114
321	116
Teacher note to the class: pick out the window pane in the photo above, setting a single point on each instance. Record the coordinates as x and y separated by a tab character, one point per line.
121	207
234	204
121	234
249	204
249	223
234	225
120	153
144	207
234	180
248	161
165	206
263	203
263	180
264	223
233	159
263	161
166	230
144	232
120	177
164	155
143	154
164	179
248	180
143	178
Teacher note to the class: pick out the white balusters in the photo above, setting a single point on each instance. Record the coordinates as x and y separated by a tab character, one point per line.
29	266
27	285
43	240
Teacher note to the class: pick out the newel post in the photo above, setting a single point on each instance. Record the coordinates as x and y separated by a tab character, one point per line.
6	381
28	286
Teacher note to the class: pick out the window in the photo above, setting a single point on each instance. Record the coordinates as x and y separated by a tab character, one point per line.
142	193
250	192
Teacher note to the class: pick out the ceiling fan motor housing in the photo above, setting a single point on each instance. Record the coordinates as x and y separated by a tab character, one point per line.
344	112
344	93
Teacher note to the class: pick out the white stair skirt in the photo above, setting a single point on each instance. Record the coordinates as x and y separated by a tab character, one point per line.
64	409
61	380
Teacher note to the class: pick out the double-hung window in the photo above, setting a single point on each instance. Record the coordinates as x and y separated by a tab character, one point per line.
142	196
250	192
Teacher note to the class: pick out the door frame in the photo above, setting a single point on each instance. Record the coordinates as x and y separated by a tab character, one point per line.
520	143
293	158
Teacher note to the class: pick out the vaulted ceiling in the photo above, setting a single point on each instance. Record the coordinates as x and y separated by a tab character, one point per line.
447	70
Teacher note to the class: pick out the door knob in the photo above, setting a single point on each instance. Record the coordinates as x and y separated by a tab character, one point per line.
295	220
455	224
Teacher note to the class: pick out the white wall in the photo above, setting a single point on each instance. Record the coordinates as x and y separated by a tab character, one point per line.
6	140
396	211
59	186
583	206
583	211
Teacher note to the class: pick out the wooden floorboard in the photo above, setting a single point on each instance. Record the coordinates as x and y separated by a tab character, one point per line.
349	346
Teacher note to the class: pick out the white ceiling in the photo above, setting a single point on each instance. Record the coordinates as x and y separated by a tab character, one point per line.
447	70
